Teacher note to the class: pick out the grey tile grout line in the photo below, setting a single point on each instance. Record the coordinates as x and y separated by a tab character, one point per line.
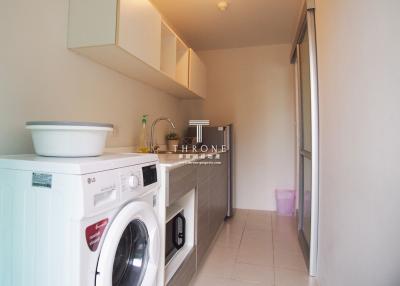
238	249
241	237
273	230
273	249
236	255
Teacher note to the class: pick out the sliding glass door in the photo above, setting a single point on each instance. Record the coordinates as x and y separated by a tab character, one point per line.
304	58
305	151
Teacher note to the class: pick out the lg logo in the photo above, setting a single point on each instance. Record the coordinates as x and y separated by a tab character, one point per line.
91	180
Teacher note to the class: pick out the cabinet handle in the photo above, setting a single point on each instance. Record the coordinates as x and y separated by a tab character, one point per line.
179	231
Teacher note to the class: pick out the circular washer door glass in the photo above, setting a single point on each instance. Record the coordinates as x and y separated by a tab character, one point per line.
132	255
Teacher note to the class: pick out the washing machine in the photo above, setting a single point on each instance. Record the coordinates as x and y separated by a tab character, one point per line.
79	221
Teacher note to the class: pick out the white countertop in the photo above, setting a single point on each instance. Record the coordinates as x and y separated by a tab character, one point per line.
168	161
172	161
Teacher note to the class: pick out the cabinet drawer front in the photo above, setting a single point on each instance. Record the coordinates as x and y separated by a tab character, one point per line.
185	272
181	181
203	173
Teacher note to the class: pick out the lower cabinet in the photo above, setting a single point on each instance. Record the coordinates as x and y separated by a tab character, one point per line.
212	201
212	192
185	272
203	219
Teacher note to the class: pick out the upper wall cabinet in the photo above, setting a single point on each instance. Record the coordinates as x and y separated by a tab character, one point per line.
130	37
197	75
139	30
174	56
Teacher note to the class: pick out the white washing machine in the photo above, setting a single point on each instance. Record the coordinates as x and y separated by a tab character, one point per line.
79	221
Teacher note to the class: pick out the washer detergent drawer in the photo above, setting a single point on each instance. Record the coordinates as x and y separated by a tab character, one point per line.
102	191
105	197
107	190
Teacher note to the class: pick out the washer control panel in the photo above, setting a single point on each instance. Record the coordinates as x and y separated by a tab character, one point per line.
131	180
136	180
104	190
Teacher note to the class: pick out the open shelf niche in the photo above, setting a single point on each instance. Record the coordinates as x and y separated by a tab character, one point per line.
168	51
182	63
174	56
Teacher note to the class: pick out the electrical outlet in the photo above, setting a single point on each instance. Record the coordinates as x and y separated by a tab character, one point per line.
115	132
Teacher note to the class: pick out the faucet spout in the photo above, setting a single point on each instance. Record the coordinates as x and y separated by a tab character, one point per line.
153	147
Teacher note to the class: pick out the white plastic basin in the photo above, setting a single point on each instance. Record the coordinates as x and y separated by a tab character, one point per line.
68	139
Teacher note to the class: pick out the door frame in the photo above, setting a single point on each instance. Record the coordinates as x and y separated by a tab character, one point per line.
307	21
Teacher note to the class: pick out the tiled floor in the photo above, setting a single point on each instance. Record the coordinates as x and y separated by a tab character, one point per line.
255	248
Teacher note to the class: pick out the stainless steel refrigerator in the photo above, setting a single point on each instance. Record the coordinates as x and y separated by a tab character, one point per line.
220	136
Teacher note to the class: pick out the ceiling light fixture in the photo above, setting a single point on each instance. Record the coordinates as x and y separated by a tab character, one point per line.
222	6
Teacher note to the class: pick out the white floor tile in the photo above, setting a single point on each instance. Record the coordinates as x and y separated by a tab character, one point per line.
254	274
256	256
289	260
257	236
255	248
229	240
285	277
207	280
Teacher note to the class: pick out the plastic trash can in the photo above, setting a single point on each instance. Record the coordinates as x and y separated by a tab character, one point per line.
285	202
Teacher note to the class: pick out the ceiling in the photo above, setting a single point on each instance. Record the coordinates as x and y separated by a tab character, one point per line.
245	23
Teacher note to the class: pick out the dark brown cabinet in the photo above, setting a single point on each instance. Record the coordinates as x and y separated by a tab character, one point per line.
203	219
181	181
211	183
212	187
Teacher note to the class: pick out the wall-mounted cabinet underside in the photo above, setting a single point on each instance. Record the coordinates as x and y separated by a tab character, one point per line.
130	37
119	60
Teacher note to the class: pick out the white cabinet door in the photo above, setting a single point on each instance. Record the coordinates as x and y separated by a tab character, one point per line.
139	30
197	75
91	23
125	35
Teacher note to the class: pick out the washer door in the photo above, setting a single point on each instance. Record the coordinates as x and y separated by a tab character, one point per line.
131	249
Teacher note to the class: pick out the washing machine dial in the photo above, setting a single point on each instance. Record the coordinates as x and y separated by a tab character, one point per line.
133	181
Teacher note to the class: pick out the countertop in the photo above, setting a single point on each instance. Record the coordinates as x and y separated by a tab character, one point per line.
172	161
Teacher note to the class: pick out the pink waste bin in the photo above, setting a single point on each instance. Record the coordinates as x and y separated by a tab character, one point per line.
285	202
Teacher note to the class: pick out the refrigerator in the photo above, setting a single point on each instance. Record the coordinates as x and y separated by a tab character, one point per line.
219	136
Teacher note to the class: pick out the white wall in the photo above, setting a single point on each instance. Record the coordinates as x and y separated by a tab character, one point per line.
253	89
358	59
41	80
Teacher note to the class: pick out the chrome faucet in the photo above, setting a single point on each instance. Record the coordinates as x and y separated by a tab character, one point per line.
154	148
